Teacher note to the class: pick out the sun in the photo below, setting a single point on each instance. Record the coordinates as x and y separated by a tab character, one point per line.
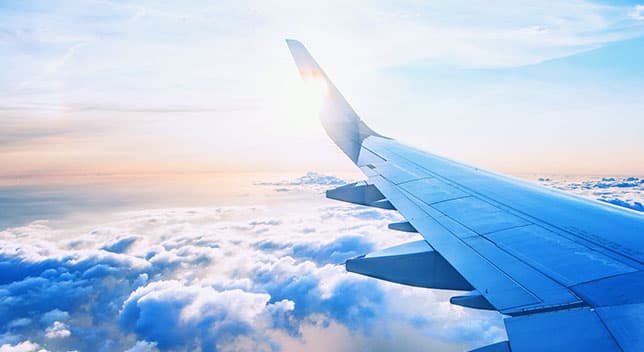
296	103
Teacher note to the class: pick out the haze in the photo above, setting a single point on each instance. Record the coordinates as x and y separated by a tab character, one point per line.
146	88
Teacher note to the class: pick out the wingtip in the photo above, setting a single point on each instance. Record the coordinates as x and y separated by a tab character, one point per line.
293	43
340	115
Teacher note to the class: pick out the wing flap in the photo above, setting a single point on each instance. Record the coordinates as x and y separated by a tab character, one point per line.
626	324
568	262
431	190
479	215
360	193
414	264
567	330
509	284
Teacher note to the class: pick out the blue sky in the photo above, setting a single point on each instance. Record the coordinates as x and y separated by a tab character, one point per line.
149	87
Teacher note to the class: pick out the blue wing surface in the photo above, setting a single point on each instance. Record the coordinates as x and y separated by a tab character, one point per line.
565	271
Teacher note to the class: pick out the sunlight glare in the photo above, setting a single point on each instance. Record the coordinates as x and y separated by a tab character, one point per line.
315	91
298	103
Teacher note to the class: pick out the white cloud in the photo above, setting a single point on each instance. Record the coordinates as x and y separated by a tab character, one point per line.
57	330
211	81
244	277
627	192
143	346
86	53
206	277
638	12
311	178
202	277
25	346
175	315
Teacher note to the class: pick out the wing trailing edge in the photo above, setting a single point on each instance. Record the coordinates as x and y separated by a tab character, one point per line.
360	193
413	264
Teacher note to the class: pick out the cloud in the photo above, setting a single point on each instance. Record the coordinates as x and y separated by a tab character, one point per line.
67	65
143	346
627	192
111	108
310	182
121	244
164	294
311	178
57	330
25	346
204	84
635	205
637	12
223	278
535	30
233	278
174	315
334	252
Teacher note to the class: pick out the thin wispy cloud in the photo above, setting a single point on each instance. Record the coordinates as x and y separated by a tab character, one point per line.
638	12
214	72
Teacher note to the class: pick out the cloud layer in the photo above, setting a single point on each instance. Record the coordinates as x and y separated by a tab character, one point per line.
256	278
627	192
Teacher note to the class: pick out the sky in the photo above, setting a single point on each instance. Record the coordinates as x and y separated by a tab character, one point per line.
126	87
163	166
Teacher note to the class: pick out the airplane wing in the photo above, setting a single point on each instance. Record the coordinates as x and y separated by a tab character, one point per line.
565	271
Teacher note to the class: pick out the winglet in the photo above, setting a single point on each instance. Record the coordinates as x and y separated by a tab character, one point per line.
304	61
339	119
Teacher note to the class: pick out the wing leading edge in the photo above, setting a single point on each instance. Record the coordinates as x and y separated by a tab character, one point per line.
567	272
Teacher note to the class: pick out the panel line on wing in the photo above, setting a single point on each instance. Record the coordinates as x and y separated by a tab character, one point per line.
374	153
556	295
447	200
590	243
559	273
507	264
